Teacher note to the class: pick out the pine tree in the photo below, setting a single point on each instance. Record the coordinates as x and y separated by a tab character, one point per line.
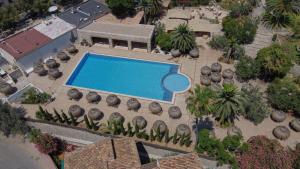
65	117
73	120
87	122
175	138
57	116
152	137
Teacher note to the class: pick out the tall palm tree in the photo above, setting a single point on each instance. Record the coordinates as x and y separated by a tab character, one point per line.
155	7
273	20
183	38
228	104
199	103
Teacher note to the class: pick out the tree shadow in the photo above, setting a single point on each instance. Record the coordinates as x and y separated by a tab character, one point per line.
202	123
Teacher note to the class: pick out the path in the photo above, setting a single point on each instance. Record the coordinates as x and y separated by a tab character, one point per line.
82	137
16	154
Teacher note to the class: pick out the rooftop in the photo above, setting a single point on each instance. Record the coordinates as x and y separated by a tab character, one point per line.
122	153
54	27
136	19
24	42
84	13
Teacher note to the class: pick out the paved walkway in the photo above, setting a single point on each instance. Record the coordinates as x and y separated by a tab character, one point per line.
82	138
17	154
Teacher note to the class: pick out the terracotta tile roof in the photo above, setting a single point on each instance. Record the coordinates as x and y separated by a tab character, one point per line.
122	154
24	42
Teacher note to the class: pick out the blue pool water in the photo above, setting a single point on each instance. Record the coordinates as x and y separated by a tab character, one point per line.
146	79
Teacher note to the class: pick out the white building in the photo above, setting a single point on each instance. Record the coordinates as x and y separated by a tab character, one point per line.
40	42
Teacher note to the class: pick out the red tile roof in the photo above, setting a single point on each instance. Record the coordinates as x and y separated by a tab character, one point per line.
24	42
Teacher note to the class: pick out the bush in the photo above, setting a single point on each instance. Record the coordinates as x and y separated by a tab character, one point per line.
234	51
246	68
242	29
47	144
33	96
240	9
256	109
232	143
284	94
273	62
121	8
219	42
163	40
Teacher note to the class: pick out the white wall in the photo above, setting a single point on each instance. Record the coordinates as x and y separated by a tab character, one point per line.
51	49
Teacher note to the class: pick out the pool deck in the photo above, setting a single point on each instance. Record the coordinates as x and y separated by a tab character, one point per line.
190	67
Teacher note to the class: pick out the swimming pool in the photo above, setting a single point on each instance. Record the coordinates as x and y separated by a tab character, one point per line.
130	77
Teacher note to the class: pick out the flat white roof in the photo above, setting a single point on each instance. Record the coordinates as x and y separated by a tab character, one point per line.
54	27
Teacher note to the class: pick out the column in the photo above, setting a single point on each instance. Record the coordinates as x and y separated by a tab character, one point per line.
149	47
129	45
111	45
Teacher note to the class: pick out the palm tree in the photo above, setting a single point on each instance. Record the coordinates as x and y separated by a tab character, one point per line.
145	6
183	38
228	104
155	7
199	103
273	20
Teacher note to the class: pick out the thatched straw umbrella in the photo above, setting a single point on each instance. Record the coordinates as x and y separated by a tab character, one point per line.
7	89
281	132
174	112
75	110
216	67
74	94
233	131
227	81
63	56
183	129
95	114
133	104
51	63
161	125
295	124
205	71
216	77
54	74
72	49
39	69
175	53
227	73
155	108
116	117
112	100
140	122
278	116
215	87
205	80
93	97
194	53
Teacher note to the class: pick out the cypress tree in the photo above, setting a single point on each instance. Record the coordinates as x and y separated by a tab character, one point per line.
40	114
87	122
129	130
57	116
49	116
188	141
65	117
136	130
175	138
73	120
182	139
167	137
158	134
152	137
93	125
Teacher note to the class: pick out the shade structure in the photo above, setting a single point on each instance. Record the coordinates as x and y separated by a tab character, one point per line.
281	132
227	81
183	129
174	112
116	117
133	104
95	114
155	108
74	94
216	77
140	122
216	67
39	69
295	124
278	116
194	53
7	89
205	80
72	49
205	71
63	56
227	73
75	110
175	52
234	131
161	125
93	97
112	100
54	74
51	63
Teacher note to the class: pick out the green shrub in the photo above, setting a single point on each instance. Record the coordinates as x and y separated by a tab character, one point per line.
284	94
242	29
163	40
218	42
234	51
232	143
246	68
240	9
207	143
33	96
273	62
121	8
